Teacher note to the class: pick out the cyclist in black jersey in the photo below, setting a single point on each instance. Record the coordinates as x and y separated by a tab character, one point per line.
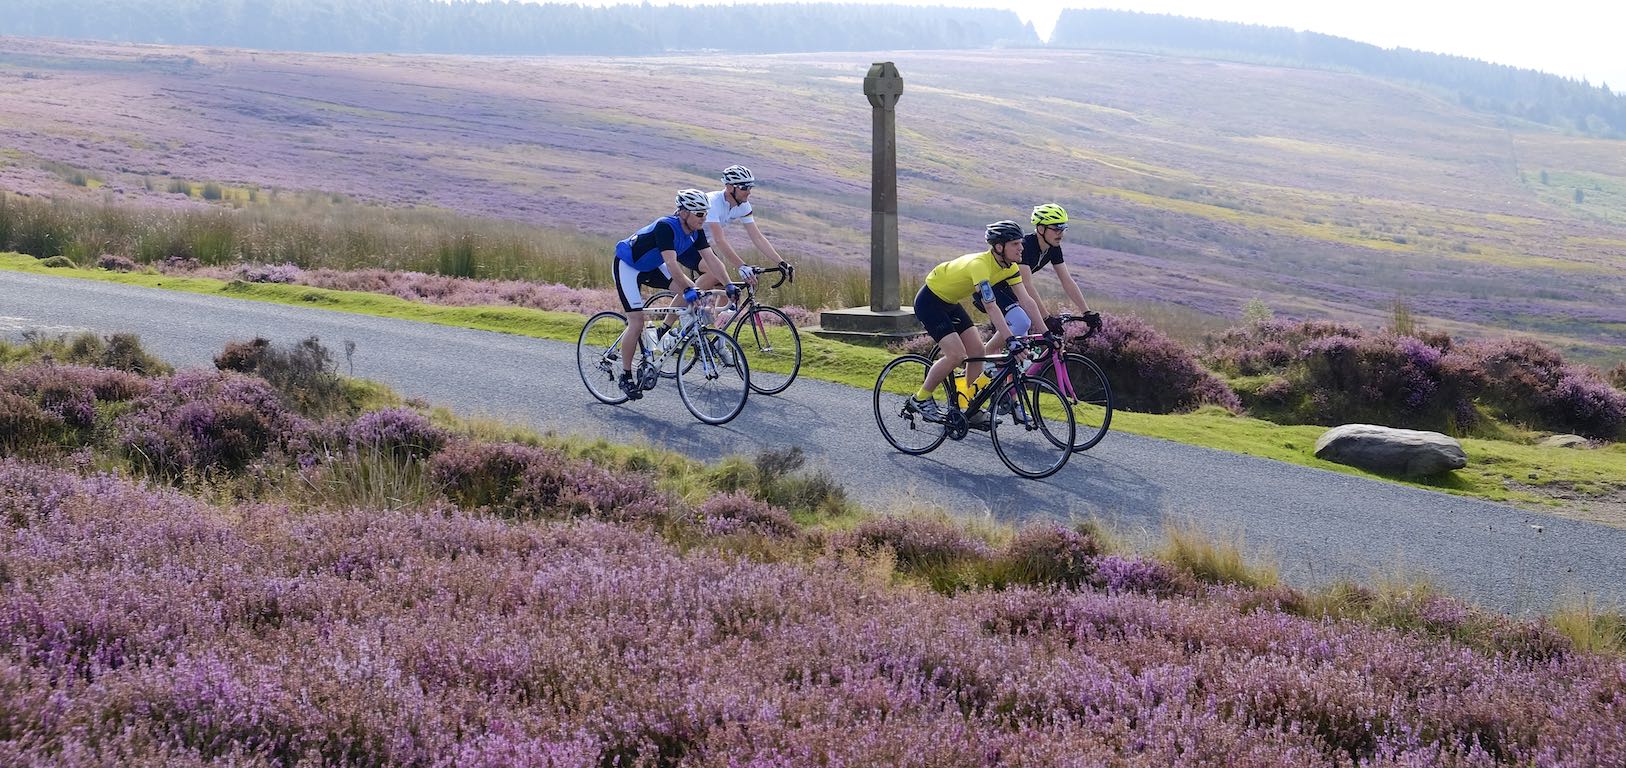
1040	249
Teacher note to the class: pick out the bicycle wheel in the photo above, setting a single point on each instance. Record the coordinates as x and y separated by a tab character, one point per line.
598	356
906	429
770	339
714	378
1091	396
1035	439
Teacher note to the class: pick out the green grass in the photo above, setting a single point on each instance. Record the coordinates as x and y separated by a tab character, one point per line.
1497	470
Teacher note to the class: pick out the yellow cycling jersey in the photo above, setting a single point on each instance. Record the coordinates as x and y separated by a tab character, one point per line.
954	281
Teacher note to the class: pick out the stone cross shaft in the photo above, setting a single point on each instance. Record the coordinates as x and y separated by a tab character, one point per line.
883	86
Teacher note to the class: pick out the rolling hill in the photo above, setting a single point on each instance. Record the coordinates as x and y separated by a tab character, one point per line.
1196	182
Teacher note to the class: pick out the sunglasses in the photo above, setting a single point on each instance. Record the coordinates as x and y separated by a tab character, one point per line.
1058	227
698	214
746	187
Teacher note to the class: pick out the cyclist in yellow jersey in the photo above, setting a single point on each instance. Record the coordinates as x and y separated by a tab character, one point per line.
938	308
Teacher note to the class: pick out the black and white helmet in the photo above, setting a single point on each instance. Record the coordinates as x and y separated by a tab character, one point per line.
738	174
1004	232
693	200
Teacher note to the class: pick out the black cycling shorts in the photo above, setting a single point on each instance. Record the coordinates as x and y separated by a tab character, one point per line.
940	317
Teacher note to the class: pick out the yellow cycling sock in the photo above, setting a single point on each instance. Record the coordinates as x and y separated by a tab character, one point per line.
923	395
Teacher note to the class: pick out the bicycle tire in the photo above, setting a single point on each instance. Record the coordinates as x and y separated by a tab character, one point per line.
770	349
598	356
1035	438
1091	399
706	383
896	383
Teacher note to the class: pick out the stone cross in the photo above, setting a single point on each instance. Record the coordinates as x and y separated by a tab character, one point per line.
883	86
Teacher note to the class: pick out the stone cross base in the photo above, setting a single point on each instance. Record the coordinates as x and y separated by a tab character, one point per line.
863	325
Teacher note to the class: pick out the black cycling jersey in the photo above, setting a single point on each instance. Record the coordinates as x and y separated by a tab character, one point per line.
1033	258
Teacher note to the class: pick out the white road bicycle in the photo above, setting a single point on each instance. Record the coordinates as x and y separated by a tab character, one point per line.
713	376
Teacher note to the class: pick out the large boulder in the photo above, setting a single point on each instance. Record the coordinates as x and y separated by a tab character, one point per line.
1389	451
1565	441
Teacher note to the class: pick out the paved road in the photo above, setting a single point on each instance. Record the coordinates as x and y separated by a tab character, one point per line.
1318	525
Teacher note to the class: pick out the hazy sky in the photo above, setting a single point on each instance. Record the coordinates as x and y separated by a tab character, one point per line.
1573	39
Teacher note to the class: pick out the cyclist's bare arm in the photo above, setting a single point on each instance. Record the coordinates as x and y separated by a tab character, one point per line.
1071	287
680	279
761	242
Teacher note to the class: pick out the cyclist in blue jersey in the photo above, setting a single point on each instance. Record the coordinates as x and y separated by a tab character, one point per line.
654	256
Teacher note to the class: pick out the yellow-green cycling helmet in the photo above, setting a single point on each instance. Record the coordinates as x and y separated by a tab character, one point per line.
1049	214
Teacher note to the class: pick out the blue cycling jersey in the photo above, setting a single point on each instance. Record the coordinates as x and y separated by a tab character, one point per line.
643	249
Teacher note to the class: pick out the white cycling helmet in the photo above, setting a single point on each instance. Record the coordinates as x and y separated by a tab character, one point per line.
693	200
738	174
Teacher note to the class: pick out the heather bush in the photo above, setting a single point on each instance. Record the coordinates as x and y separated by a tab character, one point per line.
269	273
933	548
24	426
531	483
205	421
1317	372
1118	574
305	375
477	474
124	352
145	627
783	480
780	477
1528	382
115	263
58	262
736	512
1048	553
1617	376
398	432
1151	373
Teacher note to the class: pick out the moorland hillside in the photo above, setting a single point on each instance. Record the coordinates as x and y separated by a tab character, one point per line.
1196	182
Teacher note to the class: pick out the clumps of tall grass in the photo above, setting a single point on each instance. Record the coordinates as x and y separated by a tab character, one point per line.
781	477
304	374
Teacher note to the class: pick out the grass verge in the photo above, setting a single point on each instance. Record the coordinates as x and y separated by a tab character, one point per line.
1555	480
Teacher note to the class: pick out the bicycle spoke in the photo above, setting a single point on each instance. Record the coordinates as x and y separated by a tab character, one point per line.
1035	438
598	356
771	341
905	429
713	376
1091	396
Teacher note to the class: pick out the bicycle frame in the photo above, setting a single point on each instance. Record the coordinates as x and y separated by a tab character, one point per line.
1009	372
691	319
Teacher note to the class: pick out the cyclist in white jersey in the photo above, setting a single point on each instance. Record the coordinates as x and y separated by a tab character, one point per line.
731	205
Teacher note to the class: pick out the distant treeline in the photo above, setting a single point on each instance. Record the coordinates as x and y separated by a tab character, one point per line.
516	28
513	28
1524	93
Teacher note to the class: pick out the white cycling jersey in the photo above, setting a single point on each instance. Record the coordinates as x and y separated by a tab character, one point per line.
723	214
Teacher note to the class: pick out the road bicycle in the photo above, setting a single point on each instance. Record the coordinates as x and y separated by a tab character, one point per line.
1081	380
1031	421
765	332
713	375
